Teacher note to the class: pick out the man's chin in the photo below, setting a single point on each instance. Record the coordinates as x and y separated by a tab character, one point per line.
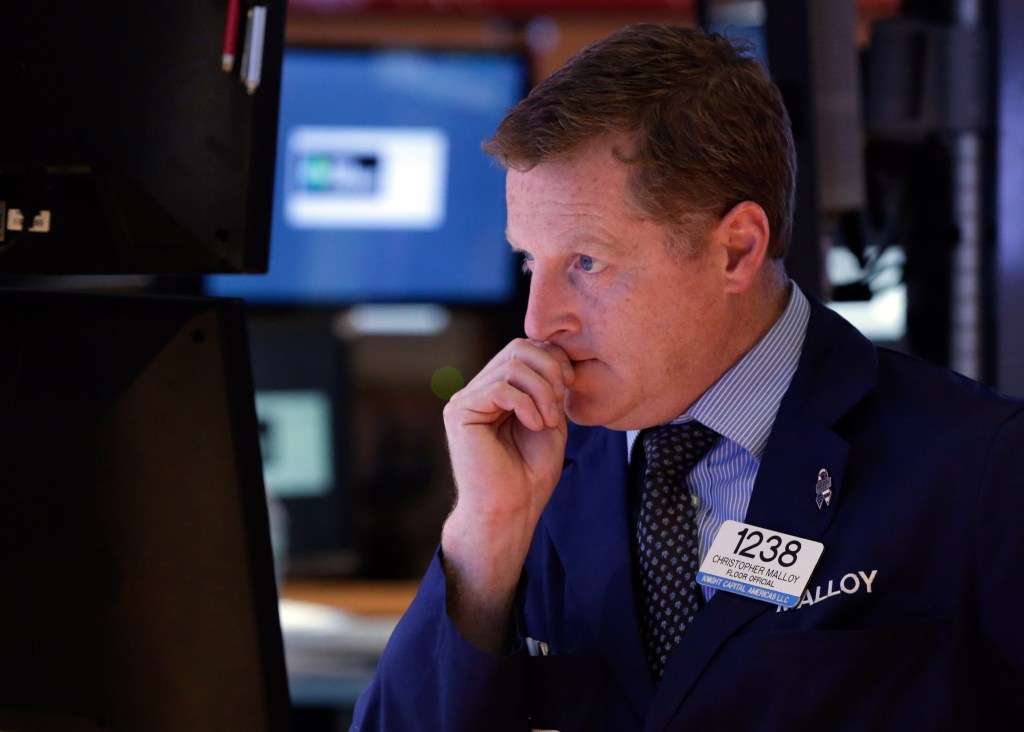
588	411
575	409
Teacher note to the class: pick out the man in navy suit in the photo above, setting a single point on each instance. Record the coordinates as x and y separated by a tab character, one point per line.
858	518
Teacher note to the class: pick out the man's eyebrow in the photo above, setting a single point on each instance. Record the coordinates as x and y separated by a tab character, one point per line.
596	245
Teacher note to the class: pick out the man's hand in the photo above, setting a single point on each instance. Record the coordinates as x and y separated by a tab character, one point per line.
506	437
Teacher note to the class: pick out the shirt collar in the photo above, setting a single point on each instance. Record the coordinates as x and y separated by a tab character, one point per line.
741	406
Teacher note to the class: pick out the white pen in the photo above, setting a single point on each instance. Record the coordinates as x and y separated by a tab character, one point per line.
252	55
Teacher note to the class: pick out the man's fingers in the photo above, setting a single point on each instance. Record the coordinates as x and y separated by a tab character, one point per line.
546	359
548	397
535	371
560	357
486	404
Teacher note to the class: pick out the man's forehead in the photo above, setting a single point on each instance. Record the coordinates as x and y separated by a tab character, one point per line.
572	202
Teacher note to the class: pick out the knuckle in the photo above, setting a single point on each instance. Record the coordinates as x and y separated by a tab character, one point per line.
520	347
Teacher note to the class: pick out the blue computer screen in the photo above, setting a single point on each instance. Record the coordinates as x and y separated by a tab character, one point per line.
382	192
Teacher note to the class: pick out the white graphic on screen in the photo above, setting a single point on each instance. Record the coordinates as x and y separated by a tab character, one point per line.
365	178
296	442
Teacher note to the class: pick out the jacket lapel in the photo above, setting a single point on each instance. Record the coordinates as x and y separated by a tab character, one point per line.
837	368
588	521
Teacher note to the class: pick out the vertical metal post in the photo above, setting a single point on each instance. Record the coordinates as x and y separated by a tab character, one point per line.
967	316
1009	270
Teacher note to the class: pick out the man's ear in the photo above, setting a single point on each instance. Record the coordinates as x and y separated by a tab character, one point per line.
742	234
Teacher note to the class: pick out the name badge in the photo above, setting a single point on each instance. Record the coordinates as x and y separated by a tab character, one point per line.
758	563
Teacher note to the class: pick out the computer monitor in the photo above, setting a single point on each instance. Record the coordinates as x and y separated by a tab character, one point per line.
126	146
135	555
382	192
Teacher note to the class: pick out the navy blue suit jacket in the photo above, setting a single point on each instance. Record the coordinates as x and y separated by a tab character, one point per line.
911	620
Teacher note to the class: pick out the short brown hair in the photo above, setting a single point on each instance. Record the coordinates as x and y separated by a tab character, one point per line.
708	127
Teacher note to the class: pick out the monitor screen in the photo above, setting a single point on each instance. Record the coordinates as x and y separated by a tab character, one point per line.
296	437
382	192
128	145
135	553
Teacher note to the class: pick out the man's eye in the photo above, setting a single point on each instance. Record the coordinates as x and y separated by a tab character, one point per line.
589	264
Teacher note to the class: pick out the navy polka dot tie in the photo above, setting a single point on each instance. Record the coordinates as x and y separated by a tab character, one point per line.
667	544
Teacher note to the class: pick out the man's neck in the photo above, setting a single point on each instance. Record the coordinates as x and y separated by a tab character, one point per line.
757	311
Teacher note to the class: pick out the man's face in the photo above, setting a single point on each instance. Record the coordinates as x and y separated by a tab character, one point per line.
646	332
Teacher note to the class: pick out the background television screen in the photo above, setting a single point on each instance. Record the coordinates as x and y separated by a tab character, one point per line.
382	193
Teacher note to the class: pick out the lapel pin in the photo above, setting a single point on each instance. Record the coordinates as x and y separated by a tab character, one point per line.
823	488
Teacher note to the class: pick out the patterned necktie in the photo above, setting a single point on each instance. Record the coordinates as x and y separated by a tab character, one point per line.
667	542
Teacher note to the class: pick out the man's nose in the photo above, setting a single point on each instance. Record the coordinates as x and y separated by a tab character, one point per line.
550	310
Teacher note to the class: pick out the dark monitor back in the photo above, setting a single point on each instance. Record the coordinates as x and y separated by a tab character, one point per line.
121	125
135	560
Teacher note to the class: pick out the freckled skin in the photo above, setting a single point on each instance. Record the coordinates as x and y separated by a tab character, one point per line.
645	330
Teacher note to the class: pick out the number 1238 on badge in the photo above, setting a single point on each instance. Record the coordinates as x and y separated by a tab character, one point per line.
759	563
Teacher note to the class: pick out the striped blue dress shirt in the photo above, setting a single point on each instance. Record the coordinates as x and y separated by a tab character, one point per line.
741	406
